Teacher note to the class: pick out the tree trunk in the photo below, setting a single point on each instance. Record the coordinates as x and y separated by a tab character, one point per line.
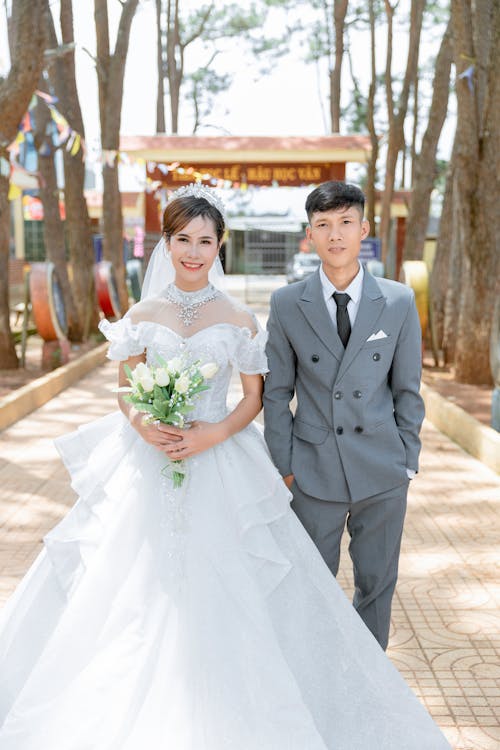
15	93
371	174
78	228
8	356
175	62
110	75
113	230
160	96
396	121
339	13
425	166
444	283
53	228
477	37
414	130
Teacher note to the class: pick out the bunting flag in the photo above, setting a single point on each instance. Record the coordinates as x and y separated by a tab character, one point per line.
14	191
4	167
74	142
14	147
109	157
46	97
26	123
62	124
66	134
468	75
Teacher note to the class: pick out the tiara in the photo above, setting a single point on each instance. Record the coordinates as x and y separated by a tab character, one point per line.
196	190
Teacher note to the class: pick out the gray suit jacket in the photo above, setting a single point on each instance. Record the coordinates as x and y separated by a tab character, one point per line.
359	412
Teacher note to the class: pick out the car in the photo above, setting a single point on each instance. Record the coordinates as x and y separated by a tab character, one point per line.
301	265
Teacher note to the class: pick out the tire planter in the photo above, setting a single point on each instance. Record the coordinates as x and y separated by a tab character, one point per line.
414	274
107	289
134	278
49	312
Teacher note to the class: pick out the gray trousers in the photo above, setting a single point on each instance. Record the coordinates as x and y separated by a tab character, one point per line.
375	526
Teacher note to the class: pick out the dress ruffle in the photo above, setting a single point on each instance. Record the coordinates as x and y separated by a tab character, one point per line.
107	457
245	351
249	356
124	337
197	619
93	455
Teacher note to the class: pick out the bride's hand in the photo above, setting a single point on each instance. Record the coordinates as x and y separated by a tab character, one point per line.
154	433
197	438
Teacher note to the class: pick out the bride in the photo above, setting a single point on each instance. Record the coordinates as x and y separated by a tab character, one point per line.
198	618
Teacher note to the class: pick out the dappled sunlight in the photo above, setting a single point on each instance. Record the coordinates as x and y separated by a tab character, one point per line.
445	630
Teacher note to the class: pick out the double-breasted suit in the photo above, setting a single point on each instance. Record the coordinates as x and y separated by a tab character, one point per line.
354	431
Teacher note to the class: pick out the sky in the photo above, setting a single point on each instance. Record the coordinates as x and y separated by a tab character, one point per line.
284	103
290	100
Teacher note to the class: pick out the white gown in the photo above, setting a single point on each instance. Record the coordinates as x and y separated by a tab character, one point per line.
197	619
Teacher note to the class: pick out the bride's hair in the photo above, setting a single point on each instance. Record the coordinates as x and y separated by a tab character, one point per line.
181	211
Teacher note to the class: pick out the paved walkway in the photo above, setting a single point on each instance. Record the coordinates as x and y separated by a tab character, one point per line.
446	625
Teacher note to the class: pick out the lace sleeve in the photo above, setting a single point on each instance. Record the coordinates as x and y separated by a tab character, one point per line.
123	337
249	356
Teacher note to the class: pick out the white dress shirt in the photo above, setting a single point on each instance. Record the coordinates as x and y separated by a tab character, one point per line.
353	290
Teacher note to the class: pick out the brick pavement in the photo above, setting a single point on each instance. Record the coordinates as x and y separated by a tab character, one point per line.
446	622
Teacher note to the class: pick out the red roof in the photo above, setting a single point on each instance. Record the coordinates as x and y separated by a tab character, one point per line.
251	142
223	148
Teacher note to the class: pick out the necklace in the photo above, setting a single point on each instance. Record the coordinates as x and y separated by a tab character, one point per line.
189	303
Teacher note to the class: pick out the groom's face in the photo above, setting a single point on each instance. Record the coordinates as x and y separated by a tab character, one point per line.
337	236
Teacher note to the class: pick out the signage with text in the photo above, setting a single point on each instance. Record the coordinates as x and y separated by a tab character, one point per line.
285	174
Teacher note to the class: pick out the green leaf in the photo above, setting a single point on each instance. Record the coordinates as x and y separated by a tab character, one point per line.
144	407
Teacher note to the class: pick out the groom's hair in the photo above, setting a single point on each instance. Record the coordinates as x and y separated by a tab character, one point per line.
333	196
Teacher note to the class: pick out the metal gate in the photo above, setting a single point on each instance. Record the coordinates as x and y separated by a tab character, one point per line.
266	254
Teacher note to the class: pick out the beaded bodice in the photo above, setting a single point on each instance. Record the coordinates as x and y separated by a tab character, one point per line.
214	344
230	344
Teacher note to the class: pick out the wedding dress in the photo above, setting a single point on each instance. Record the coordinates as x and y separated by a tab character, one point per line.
201	618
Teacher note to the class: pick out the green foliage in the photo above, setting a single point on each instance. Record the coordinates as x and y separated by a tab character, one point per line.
203	87
355	114
164	402
441	175
210	25
437	13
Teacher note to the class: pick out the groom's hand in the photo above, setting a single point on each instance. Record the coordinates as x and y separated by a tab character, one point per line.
288	480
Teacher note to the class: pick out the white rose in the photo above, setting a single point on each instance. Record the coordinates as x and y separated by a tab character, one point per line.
182	384
147	382
161	376
175	365
141	370
208	370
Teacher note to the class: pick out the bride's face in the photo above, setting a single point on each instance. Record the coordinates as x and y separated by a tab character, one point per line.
193	249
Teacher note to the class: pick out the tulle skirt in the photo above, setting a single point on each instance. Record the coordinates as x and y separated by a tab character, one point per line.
201	618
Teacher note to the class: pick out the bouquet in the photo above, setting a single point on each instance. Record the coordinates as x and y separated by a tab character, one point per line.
167	392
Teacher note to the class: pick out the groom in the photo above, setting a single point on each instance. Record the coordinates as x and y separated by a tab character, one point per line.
348	347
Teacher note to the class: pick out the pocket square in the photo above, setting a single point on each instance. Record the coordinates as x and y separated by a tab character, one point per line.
376	336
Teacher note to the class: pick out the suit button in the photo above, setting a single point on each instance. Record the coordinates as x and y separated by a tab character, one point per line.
337	395
358	428
315	357
339	430
356	394
376	356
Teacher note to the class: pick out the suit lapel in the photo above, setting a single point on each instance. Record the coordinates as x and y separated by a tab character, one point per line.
312	305
370	308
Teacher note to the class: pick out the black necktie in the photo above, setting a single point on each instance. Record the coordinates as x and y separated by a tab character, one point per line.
343	322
